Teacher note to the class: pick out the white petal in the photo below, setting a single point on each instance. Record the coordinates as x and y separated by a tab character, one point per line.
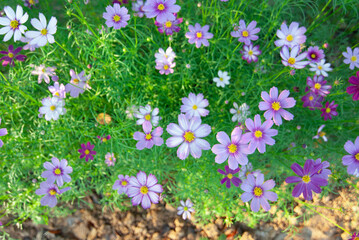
52	23
24	18
8	36
36	24
43	20
9	12
4	30
17	35
4	21
32	34
50	38
19	12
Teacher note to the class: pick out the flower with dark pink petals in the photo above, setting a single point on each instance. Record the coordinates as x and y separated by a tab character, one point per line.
312	100
355	236
120	1
329	110
104	138
11	56
86	151
317	85
230	178
314	54
354	89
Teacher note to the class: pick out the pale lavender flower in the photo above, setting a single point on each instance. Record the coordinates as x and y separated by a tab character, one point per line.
163	10
122	184
57	171
28	46
130	111
44	73
148	138
30	3
244	33
116	16
246	170
291	37
110	159
50	191
165	67
194	106
58	90
146	115
240	113
250	53
199	35
137	7
169	27
162	56
13	23
351	57
78	83
292	58
186	209
352	160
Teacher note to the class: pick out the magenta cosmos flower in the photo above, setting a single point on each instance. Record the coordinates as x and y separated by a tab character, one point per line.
163	10
354	89
78	83
314	54
86	151
188	133
292	36
246	34
274	105
11	56
292	59
144	190
230	178
312	100
199	35
3	132
355	236
351	57
121	185
116	16
104	138
57	171
259	134
317	85
148	138
120	1
329	110
169	27
309	180
257	191
250	53
352	160
232	149
194	106
50	191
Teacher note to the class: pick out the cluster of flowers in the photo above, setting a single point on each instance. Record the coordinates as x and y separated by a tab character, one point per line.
164	60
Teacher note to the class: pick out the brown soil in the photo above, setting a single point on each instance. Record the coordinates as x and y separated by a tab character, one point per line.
161	222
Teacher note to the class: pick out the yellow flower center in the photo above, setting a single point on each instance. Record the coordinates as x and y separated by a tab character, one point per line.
258	191
52	192
321	134
194	107
124	183
245	33
165	67
232	148
43	70
11	55
276	106
44	31
185	208
221	79
250	52
148	117
57	171
357	156
32	2
199	34
76	81
148	136
327	110
320	67
258	134
306	179
116	18
238	111
189	136
57	94
110	159
289	38
144	190
353	58
52	108
161	7
104	139
311	98
247	173
168	24
313	55
291	60
14	24
87	152
230	176
317	86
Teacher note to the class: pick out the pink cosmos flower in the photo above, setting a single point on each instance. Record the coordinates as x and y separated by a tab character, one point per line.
121	184
137	7
354	88
169	27
246	34
250	53
194	106
104	138
292	36
78	83
329	110
317	85
86	151
44	73
274	105
312	100
58	90
110	159
148	138
315	54
199	35
165	67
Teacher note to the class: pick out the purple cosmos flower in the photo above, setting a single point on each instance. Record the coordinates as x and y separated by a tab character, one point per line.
230	178
309	179
13	23
78	83
232	149
199	35
11	56
321	134
250	53
186	209
312	100
143	189
163	10
116	16
257	191
30	3
292	36
3	132
329	110
122	184
86	151
104	138
110	159
246	170
148	139
169	26
274	105
120	2
317	85
52	108
354	89
57	171
259	134
50	191
188	133
165	67
58	90
194	106
137	7
246	34
323	172
44	73
351	57
146	115
352	160
314	54
355	236
292	59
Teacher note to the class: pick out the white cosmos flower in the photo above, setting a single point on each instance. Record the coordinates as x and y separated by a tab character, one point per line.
45	31
186	209
321	134
321	68
241	113
52	108
13	23
222	79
